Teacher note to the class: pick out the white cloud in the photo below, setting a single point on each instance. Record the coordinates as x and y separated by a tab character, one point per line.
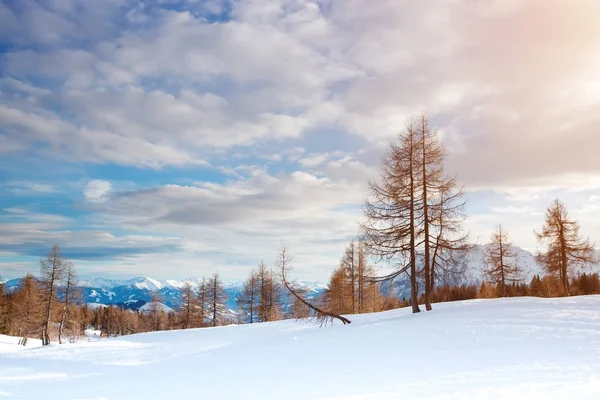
97	190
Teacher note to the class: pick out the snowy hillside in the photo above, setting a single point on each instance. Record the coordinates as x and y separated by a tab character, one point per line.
517	348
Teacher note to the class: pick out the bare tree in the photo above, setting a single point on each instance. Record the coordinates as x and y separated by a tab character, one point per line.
416	211
70	294
269	306
52	271
188	307
157	313
390	229
216	298
249	298
203	300
26	311
284	267
501	258
565	249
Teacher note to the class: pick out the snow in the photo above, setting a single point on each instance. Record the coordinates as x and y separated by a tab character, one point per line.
146	283
159	306
519	348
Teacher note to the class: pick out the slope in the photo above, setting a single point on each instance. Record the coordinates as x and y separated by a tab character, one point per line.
494	349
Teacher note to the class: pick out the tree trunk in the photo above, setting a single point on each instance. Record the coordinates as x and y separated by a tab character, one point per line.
425	218
413	258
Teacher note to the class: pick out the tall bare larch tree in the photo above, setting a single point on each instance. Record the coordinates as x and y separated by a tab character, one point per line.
500	256
565	249
70	294
391	213
415	212
52	271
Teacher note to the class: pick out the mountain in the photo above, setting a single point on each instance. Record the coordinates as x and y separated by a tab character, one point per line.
134	293
470	269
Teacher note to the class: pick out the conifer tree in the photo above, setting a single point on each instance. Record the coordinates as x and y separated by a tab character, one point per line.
203	302
70	294
501	259
565	249
52	271
249	299
188	308
415	211
270	291
216	298
26	309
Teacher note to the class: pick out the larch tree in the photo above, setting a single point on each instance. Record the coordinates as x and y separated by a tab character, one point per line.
501	258
188	306
26	312
70	293
300	304
391	226
4	318
216	298
415	212
202	302
157	313
336	295
269	306
52	271
349	265
249	299
351	287
442	205
565	249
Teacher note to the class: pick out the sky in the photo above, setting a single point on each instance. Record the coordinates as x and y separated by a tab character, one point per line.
174	138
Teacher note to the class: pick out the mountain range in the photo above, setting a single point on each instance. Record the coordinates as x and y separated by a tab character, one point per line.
134	293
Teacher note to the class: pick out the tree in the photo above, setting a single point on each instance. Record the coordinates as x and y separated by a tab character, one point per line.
70	294
301	305
157	312
390	228
202	300
351	288
565	249
249	298
52	271
188	308
415	211
501	259
26	311
216	298
4	317
269	306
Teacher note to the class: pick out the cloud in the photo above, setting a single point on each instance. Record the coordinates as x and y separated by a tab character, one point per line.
263	121
97	190
20	187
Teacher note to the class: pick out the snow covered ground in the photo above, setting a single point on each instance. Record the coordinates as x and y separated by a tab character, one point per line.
521	348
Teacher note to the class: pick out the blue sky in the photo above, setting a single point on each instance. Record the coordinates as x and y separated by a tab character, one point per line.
176	138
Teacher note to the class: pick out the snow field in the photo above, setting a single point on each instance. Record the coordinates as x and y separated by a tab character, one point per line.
519	348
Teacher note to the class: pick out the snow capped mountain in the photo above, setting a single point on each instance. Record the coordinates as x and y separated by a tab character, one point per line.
146	283
160	306
134	293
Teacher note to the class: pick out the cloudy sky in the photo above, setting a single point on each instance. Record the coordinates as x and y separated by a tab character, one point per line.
173	138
